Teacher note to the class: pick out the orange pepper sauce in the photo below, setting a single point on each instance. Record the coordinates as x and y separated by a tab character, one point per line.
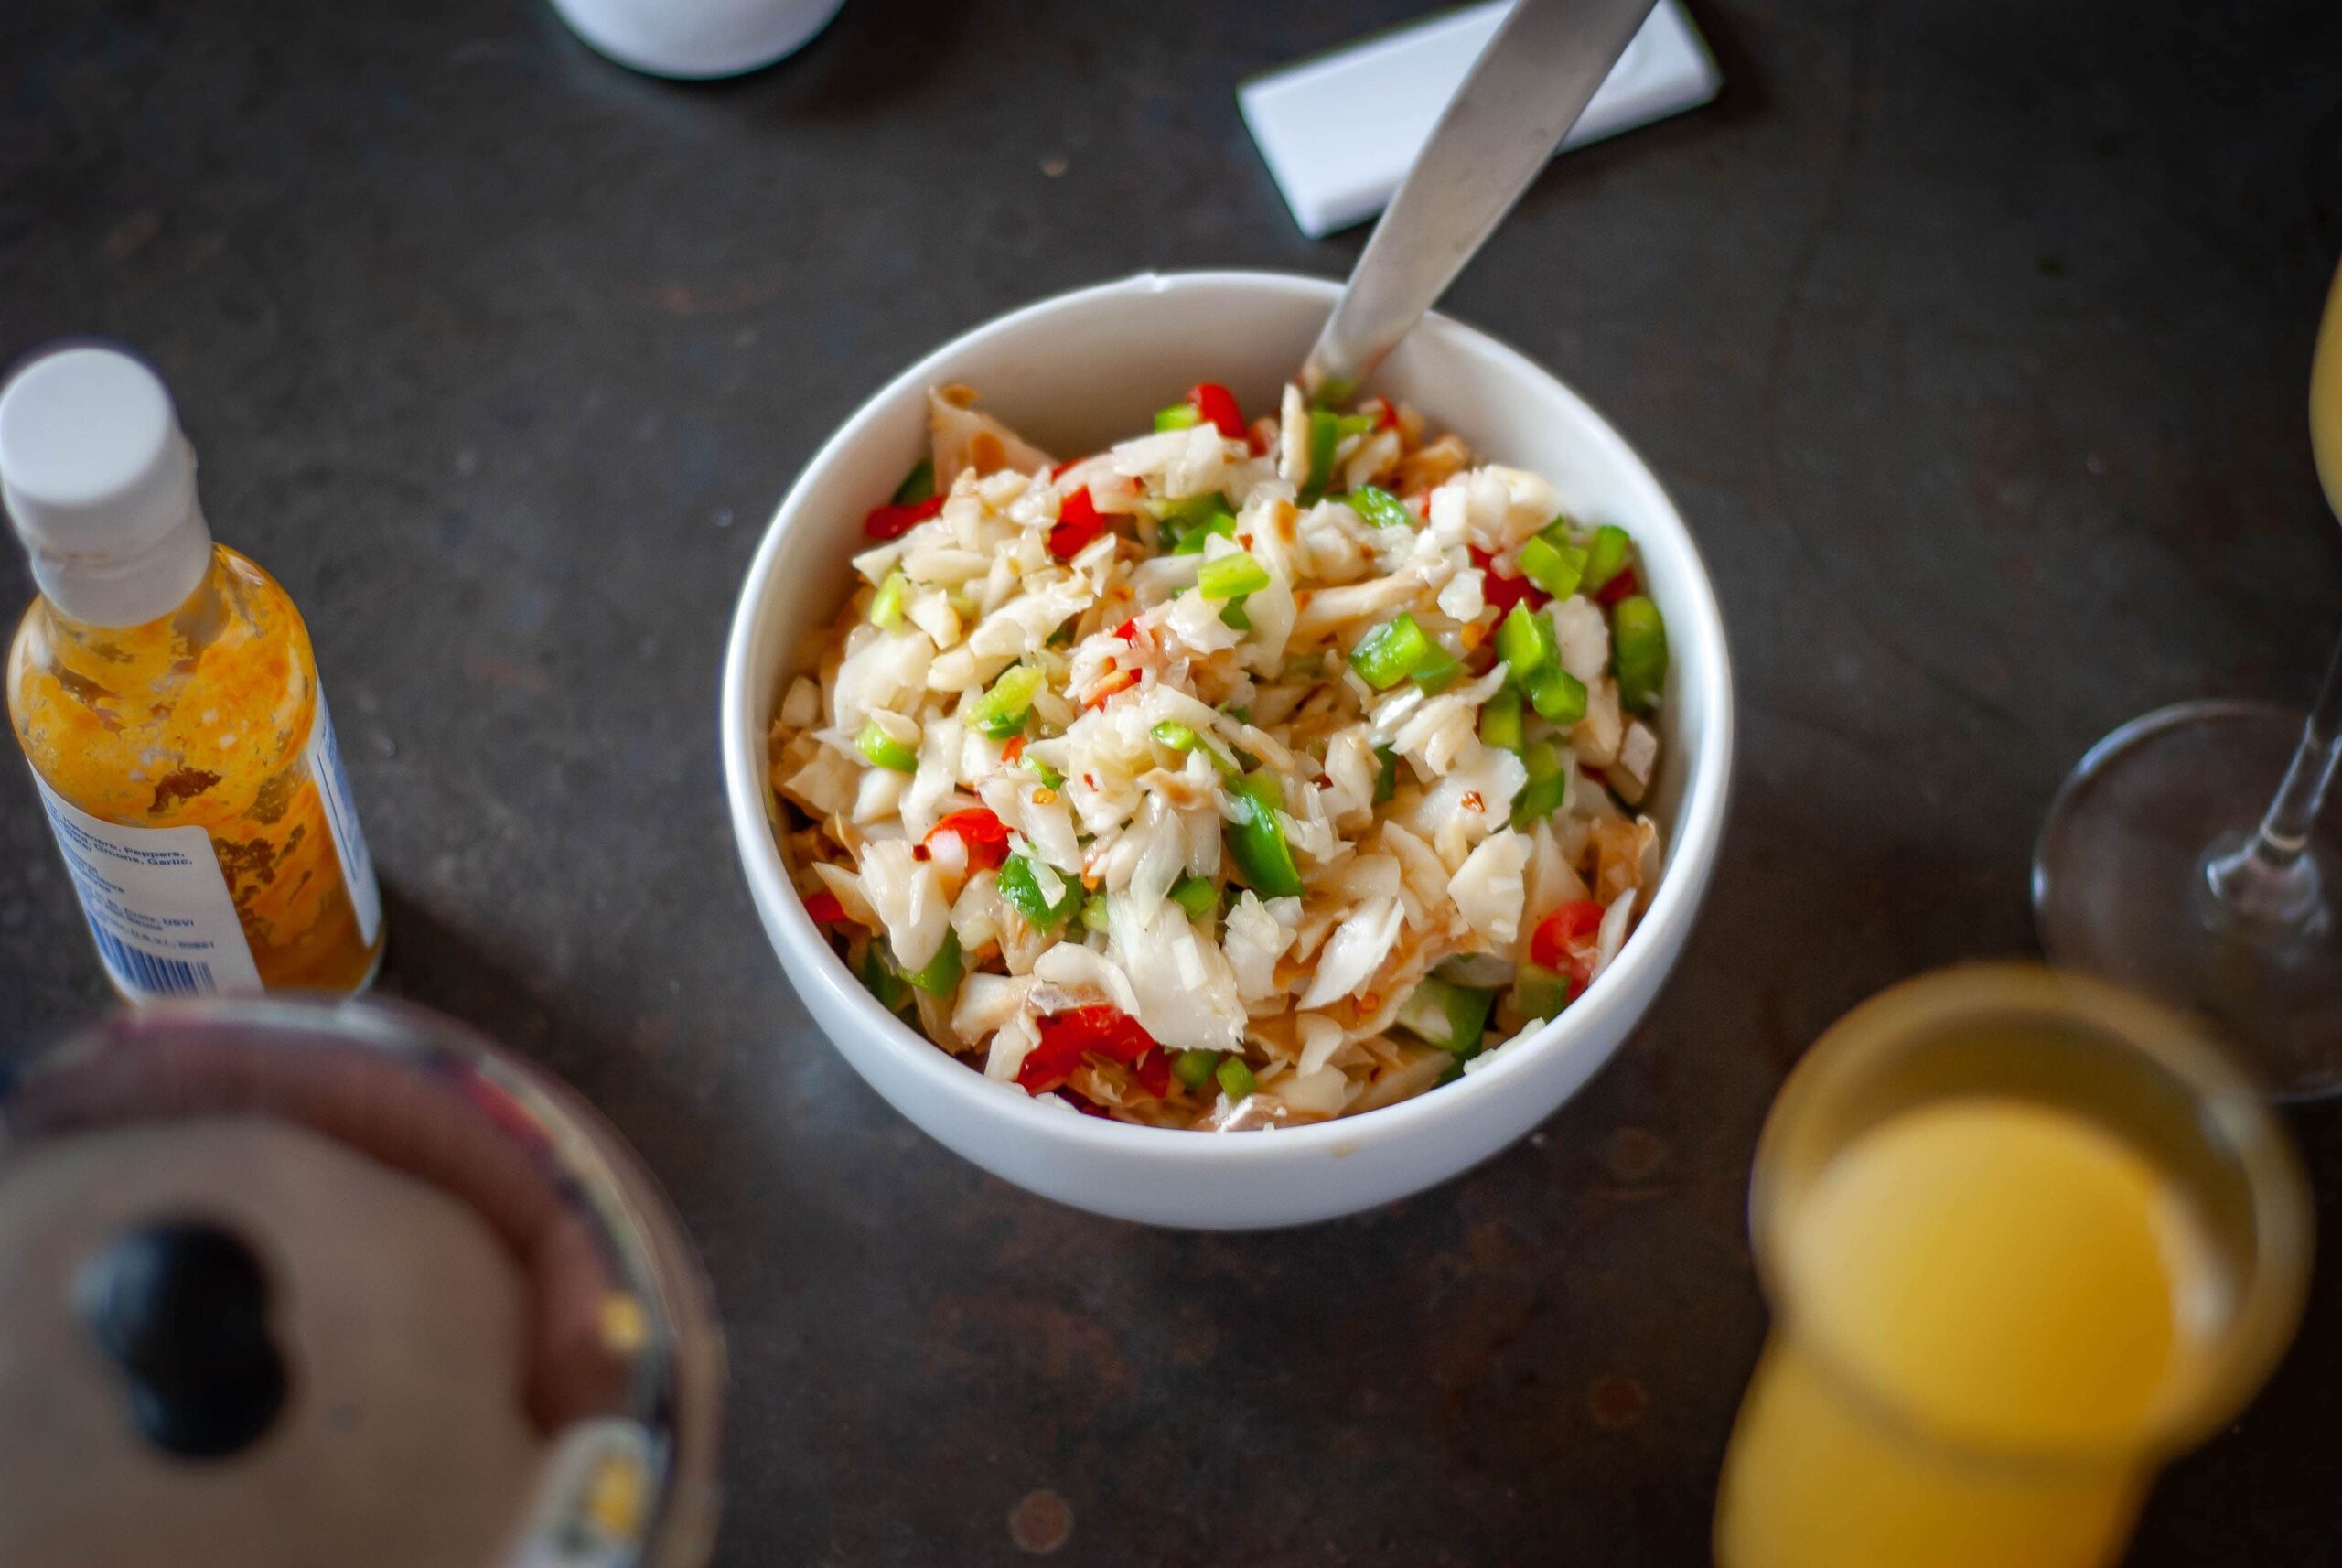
203	719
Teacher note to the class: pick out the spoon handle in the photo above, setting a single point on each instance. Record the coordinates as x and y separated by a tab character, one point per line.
1524	94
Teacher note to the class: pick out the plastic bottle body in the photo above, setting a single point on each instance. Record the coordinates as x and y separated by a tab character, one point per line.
209	717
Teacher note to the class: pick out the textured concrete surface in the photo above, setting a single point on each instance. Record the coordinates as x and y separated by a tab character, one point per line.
1971	337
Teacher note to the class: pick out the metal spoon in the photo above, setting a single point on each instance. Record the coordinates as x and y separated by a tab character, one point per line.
1525	91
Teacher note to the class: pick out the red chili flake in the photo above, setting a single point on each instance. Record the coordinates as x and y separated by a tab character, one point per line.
1067	1037
1386	414
1216	406
1079	523
1120	681
1127	631
1624	585
894	522
1500	593
986	838
1013	749
825	909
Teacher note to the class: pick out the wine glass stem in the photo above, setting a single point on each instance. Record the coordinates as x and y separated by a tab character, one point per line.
2268	877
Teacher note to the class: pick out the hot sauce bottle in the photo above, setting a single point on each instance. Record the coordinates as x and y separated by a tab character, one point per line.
164	694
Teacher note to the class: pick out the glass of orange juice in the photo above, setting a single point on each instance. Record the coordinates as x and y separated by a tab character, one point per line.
2025	1237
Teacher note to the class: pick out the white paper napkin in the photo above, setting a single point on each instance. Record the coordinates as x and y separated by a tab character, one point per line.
1340	132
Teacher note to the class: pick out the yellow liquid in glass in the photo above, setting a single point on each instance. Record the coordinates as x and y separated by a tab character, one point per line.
1987	1277
2326	399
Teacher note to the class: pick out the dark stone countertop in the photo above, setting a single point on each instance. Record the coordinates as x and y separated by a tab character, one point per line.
1971	337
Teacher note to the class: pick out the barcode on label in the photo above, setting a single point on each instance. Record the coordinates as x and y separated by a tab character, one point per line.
150	976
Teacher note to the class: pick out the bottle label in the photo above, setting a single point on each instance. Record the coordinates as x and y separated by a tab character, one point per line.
157	905
349	838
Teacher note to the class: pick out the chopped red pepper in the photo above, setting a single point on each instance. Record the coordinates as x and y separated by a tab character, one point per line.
825	909
1068	466
1066	1038
1120	681
1564	939
1624	585
1127	631
1079	523
1154	1073
1217	407
1500	593
986	838
1386	413
1013	749
894	522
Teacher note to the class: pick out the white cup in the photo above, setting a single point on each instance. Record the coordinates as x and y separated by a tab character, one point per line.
695	40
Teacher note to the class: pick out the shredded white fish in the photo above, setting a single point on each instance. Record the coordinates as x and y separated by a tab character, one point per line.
1163	783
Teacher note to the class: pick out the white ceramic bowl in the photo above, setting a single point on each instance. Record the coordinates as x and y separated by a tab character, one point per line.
1075	373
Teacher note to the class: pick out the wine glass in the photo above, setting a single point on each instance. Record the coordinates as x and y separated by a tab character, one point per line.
2185	855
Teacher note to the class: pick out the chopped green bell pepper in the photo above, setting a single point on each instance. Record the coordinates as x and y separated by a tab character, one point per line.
1452	1017
1002	712
1256	839
1325	435
1232	577
1501	719
1606	557
1194	1068
886	606
1381	508
917	485
941	975
1548	786
879	978
1396	649
884	750
1556	568
1639	651
1191	541
1526	642
1196	894
1021	887
1541	992
1558	696
1183	738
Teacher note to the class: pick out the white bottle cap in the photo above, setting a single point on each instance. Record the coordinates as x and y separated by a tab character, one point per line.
100	484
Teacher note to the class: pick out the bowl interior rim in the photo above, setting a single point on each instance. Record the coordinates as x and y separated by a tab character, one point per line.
1697	830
